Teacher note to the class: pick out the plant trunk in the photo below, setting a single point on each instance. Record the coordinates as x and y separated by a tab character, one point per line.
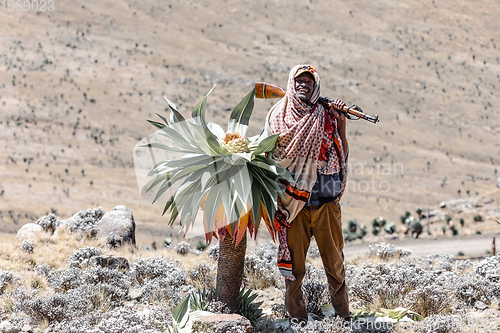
230	271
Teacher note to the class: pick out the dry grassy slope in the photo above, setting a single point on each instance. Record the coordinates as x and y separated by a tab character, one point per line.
77	85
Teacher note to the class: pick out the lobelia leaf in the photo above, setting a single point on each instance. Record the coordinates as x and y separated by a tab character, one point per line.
158	180
198	113
157	124
210	144
178	122
240	117
281	171
211	205
173	215
256	199
163	118
177	137
181	310
217	130
168	205
266	145
168	148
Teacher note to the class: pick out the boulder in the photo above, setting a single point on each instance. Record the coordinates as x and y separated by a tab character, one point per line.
117	226
110	262
222	323
28	231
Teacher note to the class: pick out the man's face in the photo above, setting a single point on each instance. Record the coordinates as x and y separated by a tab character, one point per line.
304	86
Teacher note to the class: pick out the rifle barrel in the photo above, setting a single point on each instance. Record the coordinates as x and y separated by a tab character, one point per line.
266	90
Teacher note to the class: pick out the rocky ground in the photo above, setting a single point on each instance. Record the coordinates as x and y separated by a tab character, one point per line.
67	278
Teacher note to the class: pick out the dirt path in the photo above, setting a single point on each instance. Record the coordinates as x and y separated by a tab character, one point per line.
470	246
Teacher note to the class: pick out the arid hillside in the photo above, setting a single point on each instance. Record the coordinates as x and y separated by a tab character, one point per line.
77	85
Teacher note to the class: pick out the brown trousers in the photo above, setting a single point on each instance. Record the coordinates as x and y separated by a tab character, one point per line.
323	222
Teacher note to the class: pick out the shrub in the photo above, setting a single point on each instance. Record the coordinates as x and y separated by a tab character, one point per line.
27	246
201	276
260	273
353	226
315	289
81	257
385	251
84	221
442	323
152	268
6	278
49	222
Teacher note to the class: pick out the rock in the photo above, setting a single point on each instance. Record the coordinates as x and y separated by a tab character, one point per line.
28	231
110	262
117	226
498	182
222	323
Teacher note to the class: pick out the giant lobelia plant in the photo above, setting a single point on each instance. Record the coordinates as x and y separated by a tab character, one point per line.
225	176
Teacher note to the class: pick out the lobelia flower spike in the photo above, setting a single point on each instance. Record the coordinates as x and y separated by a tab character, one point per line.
223	173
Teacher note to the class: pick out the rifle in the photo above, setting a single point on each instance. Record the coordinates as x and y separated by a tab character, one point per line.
266	90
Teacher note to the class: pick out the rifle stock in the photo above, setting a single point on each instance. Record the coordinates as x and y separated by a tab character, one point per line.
266	90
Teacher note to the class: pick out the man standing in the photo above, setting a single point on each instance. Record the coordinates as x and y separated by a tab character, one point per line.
313	147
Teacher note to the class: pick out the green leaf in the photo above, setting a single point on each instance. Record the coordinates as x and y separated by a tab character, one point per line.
158	180
168	148
240	117
181	310
178	122
177	137
210	144
198	113
266	145
168	205
157	124
211	205
282	171
256	198
269	195
173	215
163	118
163	188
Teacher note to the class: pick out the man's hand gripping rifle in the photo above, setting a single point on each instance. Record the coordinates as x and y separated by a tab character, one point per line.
266	90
